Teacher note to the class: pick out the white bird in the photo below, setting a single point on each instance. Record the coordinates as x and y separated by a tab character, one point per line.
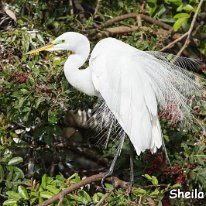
132	85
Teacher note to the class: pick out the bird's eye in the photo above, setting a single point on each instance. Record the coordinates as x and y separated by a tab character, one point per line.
59	41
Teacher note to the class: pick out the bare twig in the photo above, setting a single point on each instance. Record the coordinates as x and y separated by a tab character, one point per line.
123	29
97	7
117	30
187	41
60	201
143	17
104	197
140	200
174	42
139	23
71	7
139	20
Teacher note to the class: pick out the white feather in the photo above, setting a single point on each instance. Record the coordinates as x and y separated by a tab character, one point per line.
120	78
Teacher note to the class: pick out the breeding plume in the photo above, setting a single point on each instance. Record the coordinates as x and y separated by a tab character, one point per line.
132	86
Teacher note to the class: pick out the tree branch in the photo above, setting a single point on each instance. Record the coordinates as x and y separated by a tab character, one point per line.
97	7
187	41
126	29
142	16
104	197
174	42
94	178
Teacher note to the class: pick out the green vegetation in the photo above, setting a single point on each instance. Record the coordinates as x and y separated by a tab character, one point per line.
38	144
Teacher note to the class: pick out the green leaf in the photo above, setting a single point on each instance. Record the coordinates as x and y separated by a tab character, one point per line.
188	7
155	193
154	180
151	6
39	101
148	177
140	191
176	2
97	196
53	189
44	181
24	91
83	197
19	171
10	202
180	8
181	15
23	192
15	161
13	195
46	194
179	23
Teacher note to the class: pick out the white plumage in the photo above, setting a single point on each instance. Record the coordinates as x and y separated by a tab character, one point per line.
132	83
117	76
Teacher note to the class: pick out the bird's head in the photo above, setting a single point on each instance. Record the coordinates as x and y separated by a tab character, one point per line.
70	41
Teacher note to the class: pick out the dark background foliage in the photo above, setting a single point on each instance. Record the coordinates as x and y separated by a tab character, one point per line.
45	141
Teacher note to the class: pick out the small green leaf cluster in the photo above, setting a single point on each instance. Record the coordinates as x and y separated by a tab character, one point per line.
179	14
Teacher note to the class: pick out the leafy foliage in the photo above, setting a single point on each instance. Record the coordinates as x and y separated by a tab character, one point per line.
39	154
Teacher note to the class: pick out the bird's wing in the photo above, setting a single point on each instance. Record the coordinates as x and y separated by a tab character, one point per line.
128	92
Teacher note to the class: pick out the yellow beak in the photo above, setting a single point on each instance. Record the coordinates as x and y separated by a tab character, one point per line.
45	47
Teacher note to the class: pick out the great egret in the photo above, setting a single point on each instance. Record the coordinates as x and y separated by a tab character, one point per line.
131	84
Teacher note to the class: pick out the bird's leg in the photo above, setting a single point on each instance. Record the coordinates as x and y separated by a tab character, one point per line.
131	167
117	153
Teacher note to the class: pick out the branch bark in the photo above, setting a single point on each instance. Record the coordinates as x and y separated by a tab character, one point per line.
174	42
126	29
94	178
142	16
187	41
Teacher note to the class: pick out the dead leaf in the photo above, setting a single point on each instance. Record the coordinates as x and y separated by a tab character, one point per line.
11	14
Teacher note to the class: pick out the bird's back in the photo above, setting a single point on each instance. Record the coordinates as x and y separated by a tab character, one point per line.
116	73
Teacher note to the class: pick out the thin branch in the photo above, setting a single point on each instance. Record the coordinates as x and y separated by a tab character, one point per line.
143	17
140	200
139	20
71	7
60	201
187	41
125	29
94	178
97	7
174	42
104	197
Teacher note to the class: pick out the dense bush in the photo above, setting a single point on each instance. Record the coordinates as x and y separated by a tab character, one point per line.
39	153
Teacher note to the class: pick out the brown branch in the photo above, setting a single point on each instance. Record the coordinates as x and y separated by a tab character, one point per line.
60	201
97	7
187	41
117	30
143	17
156	22
126	29
139	20
174	42
94	178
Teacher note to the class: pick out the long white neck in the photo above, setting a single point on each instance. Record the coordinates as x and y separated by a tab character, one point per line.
80	79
